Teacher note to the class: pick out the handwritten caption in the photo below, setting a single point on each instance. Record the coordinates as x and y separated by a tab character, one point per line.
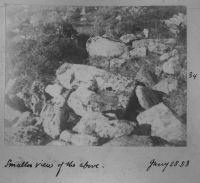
163	166
168	164
59	166
192	75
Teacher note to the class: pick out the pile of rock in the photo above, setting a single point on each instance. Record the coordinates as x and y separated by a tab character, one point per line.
100	46
90	105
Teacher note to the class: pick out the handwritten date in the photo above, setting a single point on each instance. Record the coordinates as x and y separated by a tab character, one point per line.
167	164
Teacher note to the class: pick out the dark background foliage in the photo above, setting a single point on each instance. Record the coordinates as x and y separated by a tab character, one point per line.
40	39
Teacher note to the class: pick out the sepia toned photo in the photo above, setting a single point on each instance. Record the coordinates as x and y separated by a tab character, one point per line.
95	76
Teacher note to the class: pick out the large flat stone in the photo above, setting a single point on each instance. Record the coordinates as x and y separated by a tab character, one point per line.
163	123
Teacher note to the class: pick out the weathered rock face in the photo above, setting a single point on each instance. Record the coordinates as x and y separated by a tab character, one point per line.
172	66
158	46
166	85
142	98
84	101
99	46
146	33
37	104
83	75
170	41
95	123
76	74
158	70
66	136
147	97
167	55
115	83
175	22
123	65
58	143
29	135
128	38
132	140
95	103
174	52
177	101
117	63
26	119
50	119
145	76
100	62
54	90
126	55
140	43
84	140
55	118
97	90
139	52
80	99
78	139
163	123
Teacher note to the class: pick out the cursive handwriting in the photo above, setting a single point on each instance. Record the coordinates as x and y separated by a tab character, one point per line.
18	164
43	164
164	165
58	166
69	164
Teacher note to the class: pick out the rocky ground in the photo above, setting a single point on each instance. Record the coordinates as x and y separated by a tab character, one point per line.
132	92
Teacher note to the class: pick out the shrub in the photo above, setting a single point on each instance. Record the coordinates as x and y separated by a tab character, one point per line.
134	19
54	46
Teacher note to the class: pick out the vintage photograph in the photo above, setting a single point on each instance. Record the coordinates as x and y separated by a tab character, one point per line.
95	76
